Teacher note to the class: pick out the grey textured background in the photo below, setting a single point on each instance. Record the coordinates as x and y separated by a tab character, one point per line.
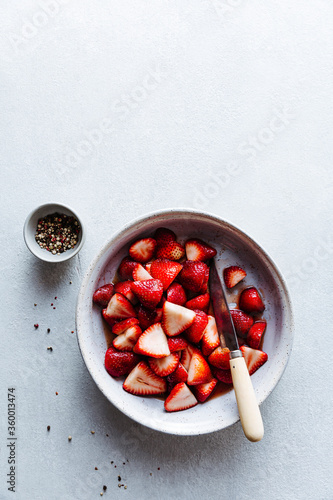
120	108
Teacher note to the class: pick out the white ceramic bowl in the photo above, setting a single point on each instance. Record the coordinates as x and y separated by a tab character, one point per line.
29	232
233	247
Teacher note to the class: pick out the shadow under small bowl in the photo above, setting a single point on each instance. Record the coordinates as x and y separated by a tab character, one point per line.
30	228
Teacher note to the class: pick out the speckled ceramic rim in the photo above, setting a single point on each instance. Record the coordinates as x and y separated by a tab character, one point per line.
29	230
82	302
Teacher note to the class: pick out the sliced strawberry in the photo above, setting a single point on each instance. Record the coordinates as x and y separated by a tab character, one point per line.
255	334
149	292
176	294
254	358
110	321
148	267
198	250
142	381
119	363
146	317
172	251
153	342
250	301
199	371
125	268
142	250
103	295
194	276
223	375
140	274
164	236
125	288
176	344
164	366
127	340
120	308
186	357
165	270
242	322
180	398
203	391
179	375
220	358
176	318
210	338
200	302
233	275
195	332
123	325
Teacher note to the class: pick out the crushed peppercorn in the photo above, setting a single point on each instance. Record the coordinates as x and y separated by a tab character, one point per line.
57	233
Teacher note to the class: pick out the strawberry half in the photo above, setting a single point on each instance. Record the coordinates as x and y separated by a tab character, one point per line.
153	342
220	358
254	358
223	375
179	375
171	250
103	295
125	268
242	322
203	391
125	288
142	381
164	366
149	292
198	250
120	308
180	398
176	319
118	363
165	270
255	334
233	275
200	302
147	317
140	274
164	236
176	344
123	325
195	332
194	276
210	339
176	294
110	321
127	340
142	250
250	301
199	371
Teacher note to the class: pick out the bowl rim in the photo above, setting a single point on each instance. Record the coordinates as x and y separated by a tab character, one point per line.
48	258
119	234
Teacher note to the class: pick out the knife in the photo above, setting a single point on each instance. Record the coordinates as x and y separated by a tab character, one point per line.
246	399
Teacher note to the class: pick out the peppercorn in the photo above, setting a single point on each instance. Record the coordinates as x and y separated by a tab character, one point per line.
57	233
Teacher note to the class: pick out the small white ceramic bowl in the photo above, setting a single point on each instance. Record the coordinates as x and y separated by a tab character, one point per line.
233	248
30	226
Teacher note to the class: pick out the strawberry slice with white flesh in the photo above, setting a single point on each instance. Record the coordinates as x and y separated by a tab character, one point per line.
180	398
197	249
176	318
127	340
153	342
203	391
139	273
120	308
254	358
210	340
142	250
164	366
142	381
199	371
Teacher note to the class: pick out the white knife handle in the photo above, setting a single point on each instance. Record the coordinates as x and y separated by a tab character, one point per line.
248	408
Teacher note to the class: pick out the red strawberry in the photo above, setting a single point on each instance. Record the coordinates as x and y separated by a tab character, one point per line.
180	398
242	322
164	236
126	268
199	371
200	302
142	381
164	366
195	332
119	363
146	317
186	356
120	308
255	333
125	288
171	250
179	375
123	325
110	321
210	338
203	391
127	340
103	295
142	250
198	250
176	294
176	318
220	358
233	275
254	358
165	270
250	301
140	274
177	343
194	276
153	342
223	375
149	292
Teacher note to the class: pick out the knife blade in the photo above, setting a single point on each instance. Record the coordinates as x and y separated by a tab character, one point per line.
248	408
